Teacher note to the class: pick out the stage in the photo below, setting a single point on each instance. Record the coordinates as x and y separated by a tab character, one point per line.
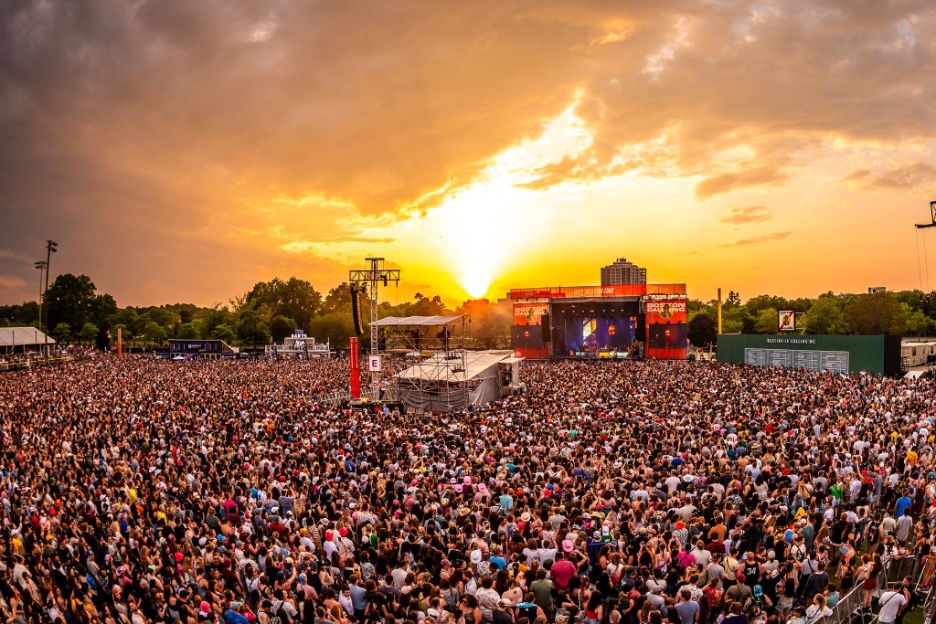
601	322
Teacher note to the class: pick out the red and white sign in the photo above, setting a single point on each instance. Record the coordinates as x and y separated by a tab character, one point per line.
373	363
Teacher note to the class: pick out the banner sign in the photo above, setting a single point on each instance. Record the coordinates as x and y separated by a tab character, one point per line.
355	370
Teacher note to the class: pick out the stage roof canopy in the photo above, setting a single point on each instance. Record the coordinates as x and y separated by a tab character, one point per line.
438	368
22	336
416	321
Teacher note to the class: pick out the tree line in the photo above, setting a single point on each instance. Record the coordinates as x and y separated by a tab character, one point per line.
272	310
268	312
907	313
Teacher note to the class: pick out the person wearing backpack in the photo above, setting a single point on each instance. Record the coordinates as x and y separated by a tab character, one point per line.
283	608
267	615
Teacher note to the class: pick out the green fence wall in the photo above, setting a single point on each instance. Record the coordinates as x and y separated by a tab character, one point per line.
875	354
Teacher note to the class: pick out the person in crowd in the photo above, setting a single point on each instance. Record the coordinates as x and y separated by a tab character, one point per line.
134	490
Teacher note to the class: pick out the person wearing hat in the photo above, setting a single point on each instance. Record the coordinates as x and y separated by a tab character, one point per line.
739	592
234	614
502	614
797	615
655	598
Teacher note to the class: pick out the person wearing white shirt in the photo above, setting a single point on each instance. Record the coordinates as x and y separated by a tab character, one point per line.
892	603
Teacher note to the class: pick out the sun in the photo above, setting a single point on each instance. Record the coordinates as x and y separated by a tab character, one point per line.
481	229
476	284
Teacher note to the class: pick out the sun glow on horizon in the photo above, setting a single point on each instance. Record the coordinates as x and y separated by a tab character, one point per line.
489	224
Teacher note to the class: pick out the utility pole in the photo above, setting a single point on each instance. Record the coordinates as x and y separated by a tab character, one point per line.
51	248
372	277
41	265
719	310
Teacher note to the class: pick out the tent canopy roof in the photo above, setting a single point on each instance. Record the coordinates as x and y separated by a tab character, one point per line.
22	336
438	368
417	321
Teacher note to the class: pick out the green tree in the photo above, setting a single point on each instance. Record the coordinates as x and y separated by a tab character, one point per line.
127	319
187	331
825	317
918	324
26	314
703	330
154	334
876	314
733	299
251	330
223	332
424	306
338	300
295	298
696	306
737	319
162	317
103	308
758	304
212	318
766	321
62	333
281	327
335	328
88	333
70	299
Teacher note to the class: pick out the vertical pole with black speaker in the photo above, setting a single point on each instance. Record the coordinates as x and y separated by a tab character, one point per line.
547	328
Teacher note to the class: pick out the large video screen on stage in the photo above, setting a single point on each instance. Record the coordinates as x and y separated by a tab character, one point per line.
667	332
669	336
526	337
587	328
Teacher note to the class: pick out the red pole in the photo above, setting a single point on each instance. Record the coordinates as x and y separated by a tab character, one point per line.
355	370
120	341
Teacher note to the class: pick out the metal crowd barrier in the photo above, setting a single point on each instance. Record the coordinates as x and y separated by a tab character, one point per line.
848	608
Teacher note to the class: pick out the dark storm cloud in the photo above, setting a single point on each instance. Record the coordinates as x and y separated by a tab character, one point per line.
149	132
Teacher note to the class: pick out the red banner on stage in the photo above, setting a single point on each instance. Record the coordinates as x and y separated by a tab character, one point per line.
355	370
667	331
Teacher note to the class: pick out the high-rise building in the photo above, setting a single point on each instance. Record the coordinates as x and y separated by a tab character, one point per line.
622	272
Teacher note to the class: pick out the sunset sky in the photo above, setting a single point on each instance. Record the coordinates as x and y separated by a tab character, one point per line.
180	151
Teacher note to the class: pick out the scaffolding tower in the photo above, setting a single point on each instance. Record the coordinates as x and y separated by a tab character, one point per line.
443	378
371	278
422	335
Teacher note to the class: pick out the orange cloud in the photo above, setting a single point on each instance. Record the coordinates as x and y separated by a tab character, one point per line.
725	182
899	178
757	240
171	139
747	214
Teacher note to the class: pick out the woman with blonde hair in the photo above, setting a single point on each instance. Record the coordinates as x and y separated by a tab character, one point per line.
817	610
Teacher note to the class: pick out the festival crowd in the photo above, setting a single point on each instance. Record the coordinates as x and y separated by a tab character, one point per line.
138	491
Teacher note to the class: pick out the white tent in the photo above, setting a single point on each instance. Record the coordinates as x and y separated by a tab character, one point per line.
453	380
23	337
415	321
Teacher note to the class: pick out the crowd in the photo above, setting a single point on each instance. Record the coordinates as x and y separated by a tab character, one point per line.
141	491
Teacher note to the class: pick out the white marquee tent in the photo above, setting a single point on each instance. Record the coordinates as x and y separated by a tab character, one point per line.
452	381
415	321
13	337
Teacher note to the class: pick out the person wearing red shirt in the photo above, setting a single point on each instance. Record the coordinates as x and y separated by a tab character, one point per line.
563	570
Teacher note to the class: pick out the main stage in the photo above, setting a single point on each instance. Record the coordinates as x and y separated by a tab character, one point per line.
601	322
